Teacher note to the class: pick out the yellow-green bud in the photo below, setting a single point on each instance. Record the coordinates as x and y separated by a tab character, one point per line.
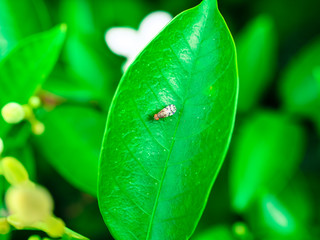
34	102
239	228
14	171
30	202
37	127
12	113
4	226
34	237
1	146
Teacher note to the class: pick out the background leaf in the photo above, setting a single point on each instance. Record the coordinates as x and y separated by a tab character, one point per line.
271	218
256	48
72	142
216	233
300	83
26	67
268	149
155	176
19	20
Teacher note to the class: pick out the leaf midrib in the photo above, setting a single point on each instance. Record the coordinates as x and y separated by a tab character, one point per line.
162	178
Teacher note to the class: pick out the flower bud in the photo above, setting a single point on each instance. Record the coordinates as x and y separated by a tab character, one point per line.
239	228
12	113
37	127
14	171
34	237
29	202
34	102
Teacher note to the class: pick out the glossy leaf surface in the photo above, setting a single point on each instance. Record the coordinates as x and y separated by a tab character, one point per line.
268	149
256	48
71	142
155	176
26	67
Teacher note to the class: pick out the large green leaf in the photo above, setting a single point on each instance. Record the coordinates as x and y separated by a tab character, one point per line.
256	47
267	151
26	67
71	143
155	176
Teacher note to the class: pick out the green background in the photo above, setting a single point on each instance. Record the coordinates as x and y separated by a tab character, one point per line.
268	187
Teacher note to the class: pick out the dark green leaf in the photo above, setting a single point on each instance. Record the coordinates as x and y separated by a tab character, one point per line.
300	84
298	193
89	68
5	236
267	151
20	19
270	217
71	143
26	67
86	54
64	84
216	233
155	176
256	48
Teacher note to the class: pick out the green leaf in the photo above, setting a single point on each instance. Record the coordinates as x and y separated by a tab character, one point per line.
276	216
5	236
256	48
13	24
217	233
91	71
267	151
86	54
270	217
64	84
26	67
298	193
155	176
300	83
71	143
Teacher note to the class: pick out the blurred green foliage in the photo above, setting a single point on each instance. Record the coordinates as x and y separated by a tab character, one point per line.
273	165
268	150
256	48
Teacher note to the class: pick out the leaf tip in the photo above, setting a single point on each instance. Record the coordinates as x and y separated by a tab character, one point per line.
209	3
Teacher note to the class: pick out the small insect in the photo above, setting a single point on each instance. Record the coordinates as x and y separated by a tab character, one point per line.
166	112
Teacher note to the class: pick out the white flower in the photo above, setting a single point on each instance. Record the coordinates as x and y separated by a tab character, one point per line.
128	42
